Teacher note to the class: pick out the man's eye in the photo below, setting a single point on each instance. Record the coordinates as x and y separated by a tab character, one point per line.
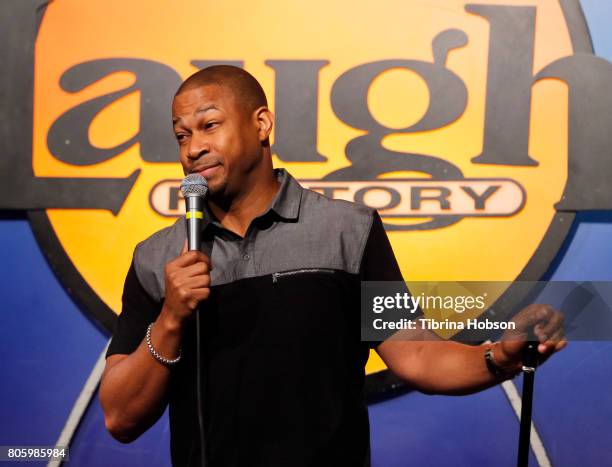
209	125
181	138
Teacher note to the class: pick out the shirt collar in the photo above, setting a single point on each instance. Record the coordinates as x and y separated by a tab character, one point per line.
286	202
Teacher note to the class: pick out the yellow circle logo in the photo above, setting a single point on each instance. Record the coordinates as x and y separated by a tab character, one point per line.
433	112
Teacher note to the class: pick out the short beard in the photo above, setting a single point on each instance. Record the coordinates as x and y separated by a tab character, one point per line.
219	196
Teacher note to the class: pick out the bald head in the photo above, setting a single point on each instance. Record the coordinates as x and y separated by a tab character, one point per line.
246	89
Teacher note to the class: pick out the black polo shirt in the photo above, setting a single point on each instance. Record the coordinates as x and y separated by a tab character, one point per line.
283	363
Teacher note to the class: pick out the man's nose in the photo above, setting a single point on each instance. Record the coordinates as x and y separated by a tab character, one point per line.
198	147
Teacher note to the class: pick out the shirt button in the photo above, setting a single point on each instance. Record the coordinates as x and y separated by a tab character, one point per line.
246	257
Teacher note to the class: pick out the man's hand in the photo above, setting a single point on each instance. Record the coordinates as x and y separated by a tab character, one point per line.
541	322
187	280
435	366
134	388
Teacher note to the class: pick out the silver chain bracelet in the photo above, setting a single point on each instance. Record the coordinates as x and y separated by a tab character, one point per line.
156	354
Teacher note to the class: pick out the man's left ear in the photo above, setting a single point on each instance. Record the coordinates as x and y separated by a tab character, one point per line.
265	122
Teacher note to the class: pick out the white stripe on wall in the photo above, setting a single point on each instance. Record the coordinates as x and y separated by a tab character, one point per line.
80	406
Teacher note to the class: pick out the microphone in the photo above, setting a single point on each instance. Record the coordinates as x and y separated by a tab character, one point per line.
194	189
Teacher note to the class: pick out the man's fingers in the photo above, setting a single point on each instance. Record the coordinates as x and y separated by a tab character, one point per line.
185	284
533	315
197	282
196	269
198	294
548	346
548	328
542	319
195	256
191	257
561	345
201	294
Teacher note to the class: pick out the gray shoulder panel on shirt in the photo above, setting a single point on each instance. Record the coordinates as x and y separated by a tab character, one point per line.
329	234
338	231
152	254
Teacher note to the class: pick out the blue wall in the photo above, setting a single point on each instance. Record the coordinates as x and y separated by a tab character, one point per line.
48	349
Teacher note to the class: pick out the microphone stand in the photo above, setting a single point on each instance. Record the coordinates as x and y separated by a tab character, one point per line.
530	363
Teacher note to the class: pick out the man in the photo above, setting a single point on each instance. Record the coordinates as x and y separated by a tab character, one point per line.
277	288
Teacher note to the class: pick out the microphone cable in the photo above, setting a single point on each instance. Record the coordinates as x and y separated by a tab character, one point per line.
200	389
195	188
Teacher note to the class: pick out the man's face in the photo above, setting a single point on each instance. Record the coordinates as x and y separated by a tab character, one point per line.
217	139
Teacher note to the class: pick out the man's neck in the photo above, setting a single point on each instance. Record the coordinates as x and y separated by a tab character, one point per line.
240	212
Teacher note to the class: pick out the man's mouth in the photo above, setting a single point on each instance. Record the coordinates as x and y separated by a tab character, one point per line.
206	171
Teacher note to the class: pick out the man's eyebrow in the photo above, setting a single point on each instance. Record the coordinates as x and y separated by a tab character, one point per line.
206	108
199	110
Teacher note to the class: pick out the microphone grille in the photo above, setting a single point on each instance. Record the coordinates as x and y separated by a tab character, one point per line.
194	184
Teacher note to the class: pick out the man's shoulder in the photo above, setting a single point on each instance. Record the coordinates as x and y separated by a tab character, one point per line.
338	229
152	254
341	212
168	237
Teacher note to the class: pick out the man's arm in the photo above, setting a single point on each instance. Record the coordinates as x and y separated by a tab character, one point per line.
134	387
133	392
434	366
426	362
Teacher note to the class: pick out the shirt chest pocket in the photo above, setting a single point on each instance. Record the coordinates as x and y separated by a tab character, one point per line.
307	303
299	273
